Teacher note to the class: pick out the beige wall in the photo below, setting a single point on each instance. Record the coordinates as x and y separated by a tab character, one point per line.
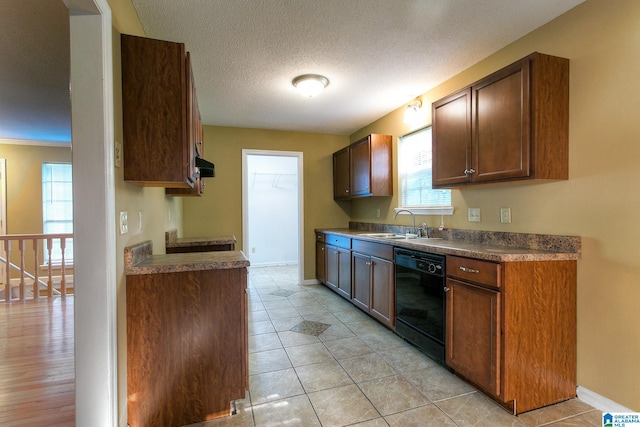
219	210
600	199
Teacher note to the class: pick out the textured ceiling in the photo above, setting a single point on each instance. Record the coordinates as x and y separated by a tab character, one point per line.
34	70
377	54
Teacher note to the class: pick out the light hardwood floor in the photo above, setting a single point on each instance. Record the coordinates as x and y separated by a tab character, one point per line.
37	379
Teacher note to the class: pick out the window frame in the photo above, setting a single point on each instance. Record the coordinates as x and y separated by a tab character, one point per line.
56	252
418	209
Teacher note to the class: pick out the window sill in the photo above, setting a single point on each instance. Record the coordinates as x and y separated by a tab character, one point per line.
442	210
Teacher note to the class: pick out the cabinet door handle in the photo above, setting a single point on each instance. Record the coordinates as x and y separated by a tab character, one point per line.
469	270
368	263
447	289
469	171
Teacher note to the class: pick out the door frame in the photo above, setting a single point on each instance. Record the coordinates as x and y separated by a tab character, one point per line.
3	212
92	130
245	200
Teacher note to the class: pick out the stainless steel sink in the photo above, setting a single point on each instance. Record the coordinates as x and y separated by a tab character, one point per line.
390	235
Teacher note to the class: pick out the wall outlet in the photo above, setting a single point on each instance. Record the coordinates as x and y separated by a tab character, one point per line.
124	222
505	215
139	220
377	213
474	214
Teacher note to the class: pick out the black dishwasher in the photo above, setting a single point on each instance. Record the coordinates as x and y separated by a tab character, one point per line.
420	300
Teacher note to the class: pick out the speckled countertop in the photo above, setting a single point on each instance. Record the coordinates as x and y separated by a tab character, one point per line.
173	241
139	259
490	246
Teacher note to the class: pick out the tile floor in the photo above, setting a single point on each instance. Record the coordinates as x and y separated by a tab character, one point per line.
316	360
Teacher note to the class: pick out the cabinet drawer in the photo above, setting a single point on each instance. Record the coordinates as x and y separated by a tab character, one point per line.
320	237
474	270
339	241
379	250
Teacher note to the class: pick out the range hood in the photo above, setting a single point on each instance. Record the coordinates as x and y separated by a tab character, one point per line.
207	169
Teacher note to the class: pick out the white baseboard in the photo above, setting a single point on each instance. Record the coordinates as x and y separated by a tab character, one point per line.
600	402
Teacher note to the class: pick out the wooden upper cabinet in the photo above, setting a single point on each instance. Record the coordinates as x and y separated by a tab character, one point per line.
367	166
341	174
158	113
511	125
451	138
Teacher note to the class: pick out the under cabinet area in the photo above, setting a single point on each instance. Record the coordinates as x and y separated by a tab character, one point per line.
511	329
162	130
363	169
511	125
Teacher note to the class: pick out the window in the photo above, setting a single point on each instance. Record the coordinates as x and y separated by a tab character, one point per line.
414	166
57	208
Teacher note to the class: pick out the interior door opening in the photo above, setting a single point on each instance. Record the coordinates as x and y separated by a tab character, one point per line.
272	208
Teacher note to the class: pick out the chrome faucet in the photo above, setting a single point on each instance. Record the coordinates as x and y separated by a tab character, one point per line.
413	219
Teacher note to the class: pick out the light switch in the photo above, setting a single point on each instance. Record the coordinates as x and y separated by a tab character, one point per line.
474	214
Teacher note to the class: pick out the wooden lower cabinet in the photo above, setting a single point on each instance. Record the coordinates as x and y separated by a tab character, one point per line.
473	328
338	265
321	256
373	281
511	329
187	345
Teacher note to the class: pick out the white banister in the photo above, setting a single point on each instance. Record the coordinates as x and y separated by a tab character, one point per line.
38	241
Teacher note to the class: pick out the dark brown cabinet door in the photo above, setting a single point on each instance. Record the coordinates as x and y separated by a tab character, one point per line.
473	334
338	268
344	281
382	291
452	139
360	157
501	124
361	280
155	100
341	177
321	273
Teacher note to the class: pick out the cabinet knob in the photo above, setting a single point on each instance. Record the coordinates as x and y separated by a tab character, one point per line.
469	171
447	289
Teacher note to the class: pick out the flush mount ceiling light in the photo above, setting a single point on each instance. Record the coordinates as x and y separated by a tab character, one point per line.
414	114
310	84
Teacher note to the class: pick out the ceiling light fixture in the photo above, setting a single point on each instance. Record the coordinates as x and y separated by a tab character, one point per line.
310	84
413	114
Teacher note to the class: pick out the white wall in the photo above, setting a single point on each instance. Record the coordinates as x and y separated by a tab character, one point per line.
272	211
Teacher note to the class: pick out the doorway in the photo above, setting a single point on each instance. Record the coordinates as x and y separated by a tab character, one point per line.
272	208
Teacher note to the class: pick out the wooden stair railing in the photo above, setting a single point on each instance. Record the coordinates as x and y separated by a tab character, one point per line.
46	242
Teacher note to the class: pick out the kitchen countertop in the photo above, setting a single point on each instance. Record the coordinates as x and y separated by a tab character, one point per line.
482	246
173	241
140	260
